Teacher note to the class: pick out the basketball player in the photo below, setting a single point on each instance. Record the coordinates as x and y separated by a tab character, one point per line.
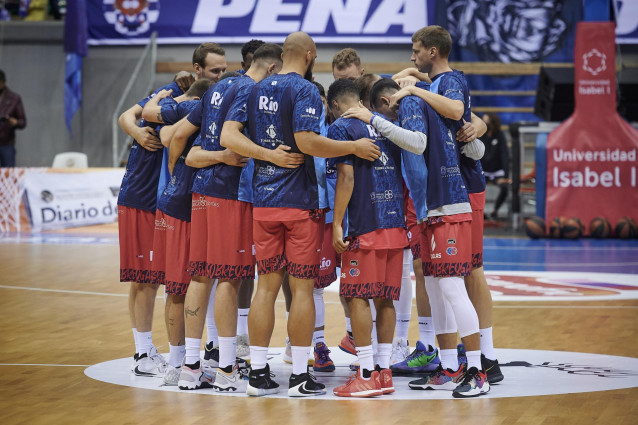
221	242
285	110
247	51
172	222
137	203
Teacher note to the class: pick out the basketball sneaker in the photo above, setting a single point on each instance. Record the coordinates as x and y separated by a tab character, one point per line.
347	344
354	366
492	370
400	351
151	364
305	385
356	386
421	360
474	384
323	363
260	382
227	379
460	353
441	379
194	377
135	357
288	355
171	377
211	357
243	346
385	377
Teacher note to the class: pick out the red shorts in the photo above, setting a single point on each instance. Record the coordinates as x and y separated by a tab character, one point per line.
136	244
447	246
170	253
477	201
371	273
295	245
221	245
330	260
414	229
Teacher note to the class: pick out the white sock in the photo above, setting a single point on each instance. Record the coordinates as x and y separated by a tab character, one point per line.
242	321
449	359
176	355
211	326
300	359
287	315
473	359
137	343
487	344
403	324
383	355
259	357
366	361
348	325
145	342
227	350
426	331
318	337
193	345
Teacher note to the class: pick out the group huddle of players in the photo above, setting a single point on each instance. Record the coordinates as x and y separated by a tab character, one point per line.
232	169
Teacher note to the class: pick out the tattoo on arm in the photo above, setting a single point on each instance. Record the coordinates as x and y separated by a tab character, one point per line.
171	322
190	312
159	117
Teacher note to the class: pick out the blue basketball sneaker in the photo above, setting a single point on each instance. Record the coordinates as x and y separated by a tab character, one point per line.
421	361
460	352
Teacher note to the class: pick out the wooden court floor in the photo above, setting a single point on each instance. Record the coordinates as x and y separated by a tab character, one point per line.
48	338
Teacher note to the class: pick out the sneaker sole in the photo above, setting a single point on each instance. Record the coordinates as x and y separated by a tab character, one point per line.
451	386
138	372
495	379
399	372
260	392
224	389
330	368
345	350
470	394
360	394
193	386
388	390
295	393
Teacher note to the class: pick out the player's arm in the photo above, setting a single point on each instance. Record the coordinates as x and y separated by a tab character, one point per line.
412	72
474	149
184	79
449	108
343	193
145	136
152	111
233	138
314	144
471	130
411	141
184	129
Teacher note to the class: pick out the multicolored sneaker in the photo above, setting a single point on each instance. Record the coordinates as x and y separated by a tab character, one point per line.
356	386
211	358
323	362
460	353
243	346
385	377
347	345
305	385
227	379
171	377
441	379
473	385
260	382
194	377
287	357
400	351
151	364
421	361
492	370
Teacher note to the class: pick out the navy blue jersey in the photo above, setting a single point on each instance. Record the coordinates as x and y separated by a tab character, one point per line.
377	195
453	85
175	199
278	107
445	186
170	86
218	180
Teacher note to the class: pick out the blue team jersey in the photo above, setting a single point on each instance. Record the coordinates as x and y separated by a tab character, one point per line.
415	174
278	107
219	180
175	199
453	85
169	108
326	192
377	195
445	184
139	187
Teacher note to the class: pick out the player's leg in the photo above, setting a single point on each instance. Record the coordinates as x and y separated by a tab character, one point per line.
285	288
244	298
227	378
211	348
403	308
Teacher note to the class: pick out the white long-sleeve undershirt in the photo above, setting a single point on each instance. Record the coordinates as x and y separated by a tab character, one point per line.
411	141
474	149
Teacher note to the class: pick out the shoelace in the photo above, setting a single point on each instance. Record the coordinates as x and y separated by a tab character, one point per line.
323	354
467	378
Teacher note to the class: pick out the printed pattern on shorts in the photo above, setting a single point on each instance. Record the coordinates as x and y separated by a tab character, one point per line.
176	288
272	264
477	260
137	276
303	271
369	290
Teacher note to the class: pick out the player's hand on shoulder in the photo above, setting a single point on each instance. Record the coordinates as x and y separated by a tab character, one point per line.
407	81
407	72
147	139
396	97
283	158
360	112
164	93
337	239
234	159
184	79
467	133
366	149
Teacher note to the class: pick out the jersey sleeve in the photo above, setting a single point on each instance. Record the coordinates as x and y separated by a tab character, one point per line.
198	141
172	86
452	88
195	116
337	132
238	110
169	111
307	109
411	115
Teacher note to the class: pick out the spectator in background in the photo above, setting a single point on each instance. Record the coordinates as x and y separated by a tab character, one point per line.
495	161
11	118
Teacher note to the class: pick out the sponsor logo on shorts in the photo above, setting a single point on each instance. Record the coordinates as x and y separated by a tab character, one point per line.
162	225
432	244
343	275
325	263
355	272
451	241
202	202
451	250
354	263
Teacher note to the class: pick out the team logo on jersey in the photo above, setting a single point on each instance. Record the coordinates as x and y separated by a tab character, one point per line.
268	105
451	250
354	272
388	194
312	111
594	62
271	132
384	158
131	17
270	170
212	128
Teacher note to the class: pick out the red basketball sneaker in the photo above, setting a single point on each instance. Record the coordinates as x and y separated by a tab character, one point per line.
359	387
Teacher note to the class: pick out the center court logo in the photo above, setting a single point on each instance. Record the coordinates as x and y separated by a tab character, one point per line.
131	17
